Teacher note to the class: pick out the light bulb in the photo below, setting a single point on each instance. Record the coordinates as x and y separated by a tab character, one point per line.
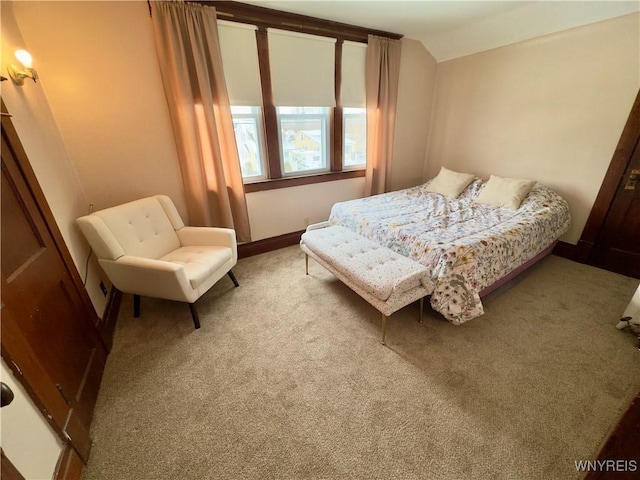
24	57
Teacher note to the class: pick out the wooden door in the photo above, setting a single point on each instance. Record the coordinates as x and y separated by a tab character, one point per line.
48	333
611	236
618	245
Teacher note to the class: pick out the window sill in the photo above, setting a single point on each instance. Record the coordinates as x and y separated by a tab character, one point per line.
297	181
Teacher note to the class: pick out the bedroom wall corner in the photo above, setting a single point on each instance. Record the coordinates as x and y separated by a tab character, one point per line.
550	109
415	98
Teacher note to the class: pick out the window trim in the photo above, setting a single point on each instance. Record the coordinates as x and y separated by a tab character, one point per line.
269	17
287	182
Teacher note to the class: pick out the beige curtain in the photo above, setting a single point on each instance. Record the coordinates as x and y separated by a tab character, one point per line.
382	72
186	37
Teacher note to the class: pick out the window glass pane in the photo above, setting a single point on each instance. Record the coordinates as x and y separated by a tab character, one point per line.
303	137
247	128
355	137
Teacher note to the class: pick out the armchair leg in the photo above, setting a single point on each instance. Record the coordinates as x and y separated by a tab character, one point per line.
136	306
194	314
233	278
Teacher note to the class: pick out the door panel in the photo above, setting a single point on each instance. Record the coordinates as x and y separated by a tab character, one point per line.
27	243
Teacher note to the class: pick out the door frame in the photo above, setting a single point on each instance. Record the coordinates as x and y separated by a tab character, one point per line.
613	177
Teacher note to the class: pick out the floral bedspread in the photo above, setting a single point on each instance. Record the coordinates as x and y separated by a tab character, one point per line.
466	246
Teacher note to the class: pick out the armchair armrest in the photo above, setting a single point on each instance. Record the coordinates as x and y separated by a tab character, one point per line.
149	277
203	236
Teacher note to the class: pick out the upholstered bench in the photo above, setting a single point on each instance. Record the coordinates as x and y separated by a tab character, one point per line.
384	278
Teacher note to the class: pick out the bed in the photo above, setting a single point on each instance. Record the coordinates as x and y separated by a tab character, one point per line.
468	247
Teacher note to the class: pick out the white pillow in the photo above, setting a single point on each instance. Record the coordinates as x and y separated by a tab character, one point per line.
505	192
450	183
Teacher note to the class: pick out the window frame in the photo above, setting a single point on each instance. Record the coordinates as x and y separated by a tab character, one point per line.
256	115
345	116
324	118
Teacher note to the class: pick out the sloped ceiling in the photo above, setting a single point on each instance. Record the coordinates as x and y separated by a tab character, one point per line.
452	29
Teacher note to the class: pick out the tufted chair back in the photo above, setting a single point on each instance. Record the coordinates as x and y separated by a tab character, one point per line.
142	228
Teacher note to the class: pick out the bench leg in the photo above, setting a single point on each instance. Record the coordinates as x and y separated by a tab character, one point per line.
384	328
306	263
421	308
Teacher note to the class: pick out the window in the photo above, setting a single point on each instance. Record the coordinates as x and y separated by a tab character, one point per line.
354	113
282	90
354	145
247	126
242	77
302	77
304	141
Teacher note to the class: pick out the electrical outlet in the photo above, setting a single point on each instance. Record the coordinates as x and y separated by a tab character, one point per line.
103	289
306	222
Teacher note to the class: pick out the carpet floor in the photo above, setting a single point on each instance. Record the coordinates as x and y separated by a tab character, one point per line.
287	379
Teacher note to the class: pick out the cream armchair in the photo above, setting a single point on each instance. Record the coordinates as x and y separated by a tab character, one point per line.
145	249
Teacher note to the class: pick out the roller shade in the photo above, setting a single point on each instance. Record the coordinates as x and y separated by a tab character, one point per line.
302	69
240	63
354	57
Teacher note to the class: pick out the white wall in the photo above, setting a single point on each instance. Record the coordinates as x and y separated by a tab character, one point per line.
550	109
286	210
27	439
99	70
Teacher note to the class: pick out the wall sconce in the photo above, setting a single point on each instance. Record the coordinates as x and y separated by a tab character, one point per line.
18	74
